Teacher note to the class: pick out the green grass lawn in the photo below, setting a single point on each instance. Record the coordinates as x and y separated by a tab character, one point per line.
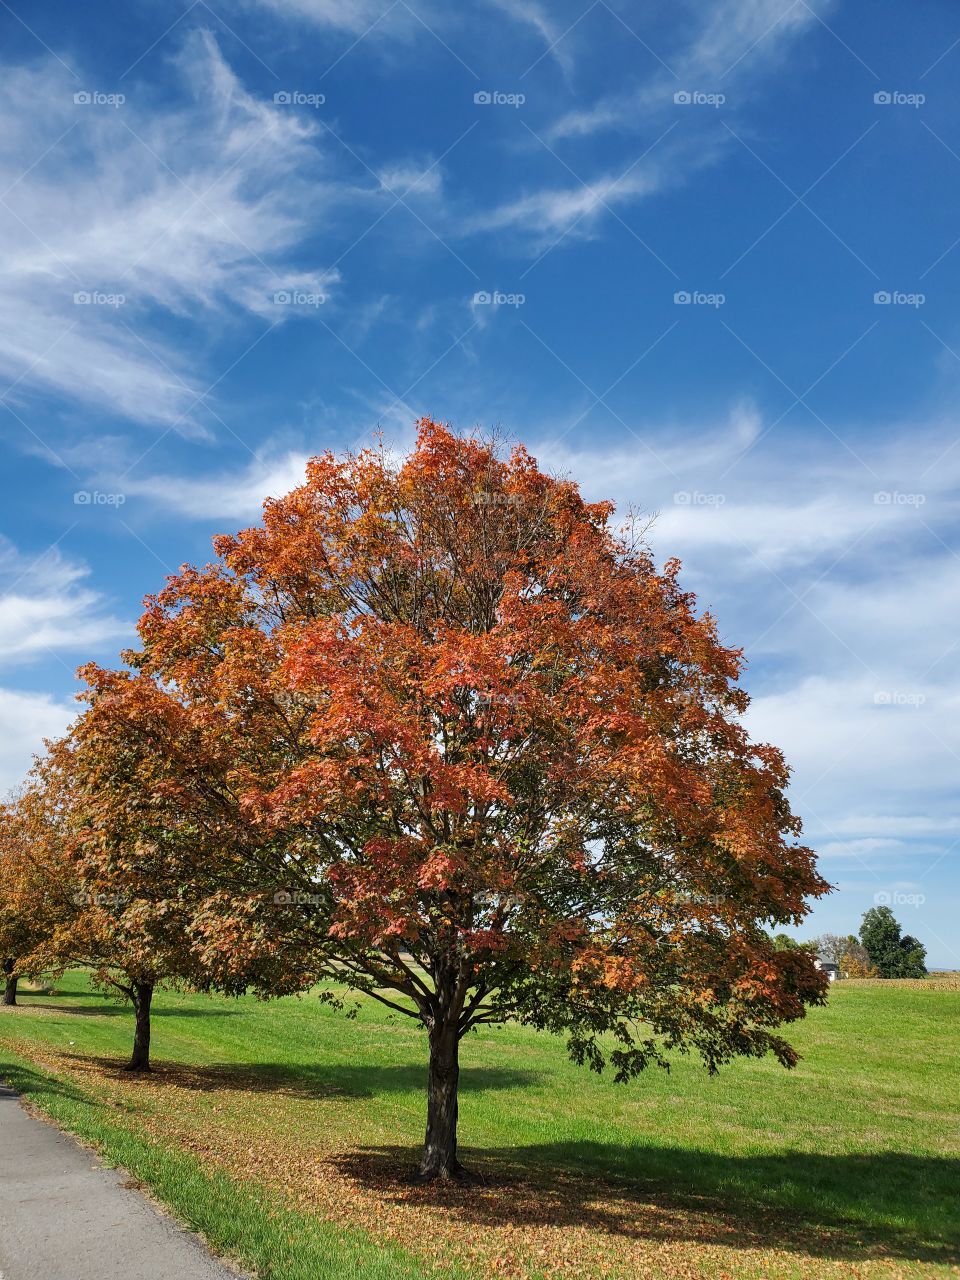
282	1131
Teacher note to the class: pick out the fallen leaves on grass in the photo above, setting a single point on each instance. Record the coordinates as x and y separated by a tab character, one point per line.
513	1223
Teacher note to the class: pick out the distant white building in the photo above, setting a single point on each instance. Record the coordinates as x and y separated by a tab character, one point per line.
829	968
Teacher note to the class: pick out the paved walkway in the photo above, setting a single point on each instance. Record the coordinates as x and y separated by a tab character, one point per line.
63	1216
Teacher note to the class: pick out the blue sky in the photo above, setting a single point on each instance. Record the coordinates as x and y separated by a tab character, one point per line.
722	255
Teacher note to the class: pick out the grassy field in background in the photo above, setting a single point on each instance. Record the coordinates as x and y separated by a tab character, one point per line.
284	1133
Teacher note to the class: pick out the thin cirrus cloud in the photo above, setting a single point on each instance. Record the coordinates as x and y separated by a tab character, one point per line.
376	20
356	17
867	847
116	215
233	495
902	825
411	179
735	486
552	33
46	607
545	216
736	42
544	213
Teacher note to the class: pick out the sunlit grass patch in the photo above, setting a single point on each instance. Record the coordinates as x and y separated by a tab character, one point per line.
849	1161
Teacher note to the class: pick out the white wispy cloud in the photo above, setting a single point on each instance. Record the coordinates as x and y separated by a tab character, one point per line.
47	607
411	179
901	824
235	495
738	32
353	16
557	43
733	44
549	211
48	610
737	492
194	210
844	739
736	42
378	21
639	468
26	720
862	849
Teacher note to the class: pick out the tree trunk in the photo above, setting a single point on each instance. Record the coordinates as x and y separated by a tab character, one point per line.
10	990
142	996
440	1146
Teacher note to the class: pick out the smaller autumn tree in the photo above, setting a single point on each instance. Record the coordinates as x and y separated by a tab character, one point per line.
18	888
855	961
892	953
158	823
847	953
440	733
37	889
122	922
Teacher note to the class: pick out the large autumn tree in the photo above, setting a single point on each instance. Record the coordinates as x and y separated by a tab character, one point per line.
436	730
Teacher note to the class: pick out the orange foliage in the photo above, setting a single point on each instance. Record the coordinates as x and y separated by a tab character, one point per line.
488	755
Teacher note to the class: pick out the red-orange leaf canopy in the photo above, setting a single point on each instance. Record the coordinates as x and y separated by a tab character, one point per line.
485	755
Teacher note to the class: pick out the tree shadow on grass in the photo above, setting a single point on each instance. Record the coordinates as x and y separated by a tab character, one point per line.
105	1006
843	1207
17	1080
119	1008
365	1080
55	994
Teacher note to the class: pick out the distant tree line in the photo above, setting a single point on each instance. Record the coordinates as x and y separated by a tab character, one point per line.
882	949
